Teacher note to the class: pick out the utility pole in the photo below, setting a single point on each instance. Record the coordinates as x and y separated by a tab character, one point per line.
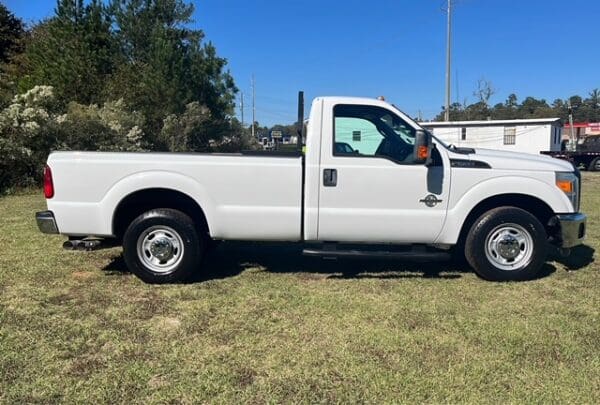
457	87
448	45
253	106
242	107
572	142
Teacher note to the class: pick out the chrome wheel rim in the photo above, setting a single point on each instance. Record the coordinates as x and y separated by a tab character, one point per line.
160	248
509	247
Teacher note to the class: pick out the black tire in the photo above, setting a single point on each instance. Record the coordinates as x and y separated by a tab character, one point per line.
497	236
594	165
163	246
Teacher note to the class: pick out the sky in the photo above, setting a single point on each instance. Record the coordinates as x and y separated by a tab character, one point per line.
394	48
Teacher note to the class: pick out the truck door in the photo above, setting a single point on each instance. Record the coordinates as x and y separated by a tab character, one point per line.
371	190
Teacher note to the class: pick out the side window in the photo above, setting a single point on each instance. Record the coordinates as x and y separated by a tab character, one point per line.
356	135
368	131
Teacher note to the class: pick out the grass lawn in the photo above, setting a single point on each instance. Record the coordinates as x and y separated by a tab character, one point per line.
271	326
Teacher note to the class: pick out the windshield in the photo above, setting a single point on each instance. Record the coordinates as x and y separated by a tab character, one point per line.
437	140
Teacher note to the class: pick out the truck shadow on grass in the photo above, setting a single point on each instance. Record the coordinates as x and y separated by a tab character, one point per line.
581	256
230	259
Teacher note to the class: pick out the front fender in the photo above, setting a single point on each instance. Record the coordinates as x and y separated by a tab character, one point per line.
462	205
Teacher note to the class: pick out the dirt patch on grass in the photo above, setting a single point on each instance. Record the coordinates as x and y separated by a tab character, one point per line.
245	376
83	275
165	323
84	366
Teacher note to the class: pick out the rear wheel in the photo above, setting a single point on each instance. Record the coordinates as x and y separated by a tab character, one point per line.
162	246
506	243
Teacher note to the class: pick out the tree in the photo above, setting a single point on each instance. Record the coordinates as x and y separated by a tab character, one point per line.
592	106
511	101
456	113
11	43
167	65
73	51
11	32
484	91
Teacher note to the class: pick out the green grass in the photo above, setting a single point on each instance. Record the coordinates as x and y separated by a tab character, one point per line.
271	326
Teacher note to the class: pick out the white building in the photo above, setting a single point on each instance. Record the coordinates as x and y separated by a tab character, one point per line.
529	136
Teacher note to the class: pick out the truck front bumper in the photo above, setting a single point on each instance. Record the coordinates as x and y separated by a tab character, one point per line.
572	229
46	222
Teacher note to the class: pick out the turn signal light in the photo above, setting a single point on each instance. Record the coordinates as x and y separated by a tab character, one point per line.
48	183
565	185
422	152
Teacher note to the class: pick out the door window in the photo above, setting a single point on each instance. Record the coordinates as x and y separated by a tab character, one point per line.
368	131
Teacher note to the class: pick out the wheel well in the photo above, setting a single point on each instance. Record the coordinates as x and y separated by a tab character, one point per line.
533	205
141	201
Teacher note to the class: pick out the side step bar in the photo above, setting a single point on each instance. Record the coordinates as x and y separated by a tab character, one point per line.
421	255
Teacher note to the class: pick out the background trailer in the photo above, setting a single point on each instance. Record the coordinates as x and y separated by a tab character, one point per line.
528	135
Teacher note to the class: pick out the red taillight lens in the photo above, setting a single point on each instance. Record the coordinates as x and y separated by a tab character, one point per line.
48	184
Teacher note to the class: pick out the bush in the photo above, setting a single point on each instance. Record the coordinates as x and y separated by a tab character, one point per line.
26	136
107	128
196	130
31	127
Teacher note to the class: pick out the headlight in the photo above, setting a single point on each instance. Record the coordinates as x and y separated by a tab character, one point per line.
568	182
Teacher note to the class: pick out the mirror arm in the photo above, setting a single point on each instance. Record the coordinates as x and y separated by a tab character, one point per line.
429	160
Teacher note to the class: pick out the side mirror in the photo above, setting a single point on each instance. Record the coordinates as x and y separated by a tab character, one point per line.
422	146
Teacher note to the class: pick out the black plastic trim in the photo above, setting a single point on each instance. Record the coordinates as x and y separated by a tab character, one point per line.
469	164
463	151
268	153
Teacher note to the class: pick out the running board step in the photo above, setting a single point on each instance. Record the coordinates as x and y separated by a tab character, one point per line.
411	255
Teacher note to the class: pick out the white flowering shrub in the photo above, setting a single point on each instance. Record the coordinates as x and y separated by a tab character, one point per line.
31	126
187	131
23	138
196	130
107	128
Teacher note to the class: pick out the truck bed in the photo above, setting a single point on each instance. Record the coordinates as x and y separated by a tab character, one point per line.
244	195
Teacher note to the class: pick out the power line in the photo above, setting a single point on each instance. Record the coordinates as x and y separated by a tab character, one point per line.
448	52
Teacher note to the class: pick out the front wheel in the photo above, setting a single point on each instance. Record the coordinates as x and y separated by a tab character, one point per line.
162	246
506	243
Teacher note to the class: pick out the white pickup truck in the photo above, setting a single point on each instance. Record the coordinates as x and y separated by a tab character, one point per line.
370	182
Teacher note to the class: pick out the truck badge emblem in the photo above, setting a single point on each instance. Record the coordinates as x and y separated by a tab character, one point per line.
430	200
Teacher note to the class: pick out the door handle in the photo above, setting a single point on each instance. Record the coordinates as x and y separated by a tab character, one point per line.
330	177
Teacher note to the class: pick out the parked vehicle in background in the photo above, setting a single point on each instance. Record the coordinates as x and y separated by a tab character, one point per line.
371	182
586	156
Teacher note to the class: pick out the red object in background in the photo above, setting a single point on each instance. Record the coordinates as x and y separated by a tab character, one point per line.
48	184
594	126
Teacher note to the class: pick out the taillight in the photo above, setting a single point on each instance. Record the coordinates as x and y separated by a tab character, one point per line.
48	184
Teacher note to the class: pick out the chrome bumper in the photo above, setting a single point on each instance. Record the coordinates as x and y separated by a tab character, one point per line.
46	222
572	229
